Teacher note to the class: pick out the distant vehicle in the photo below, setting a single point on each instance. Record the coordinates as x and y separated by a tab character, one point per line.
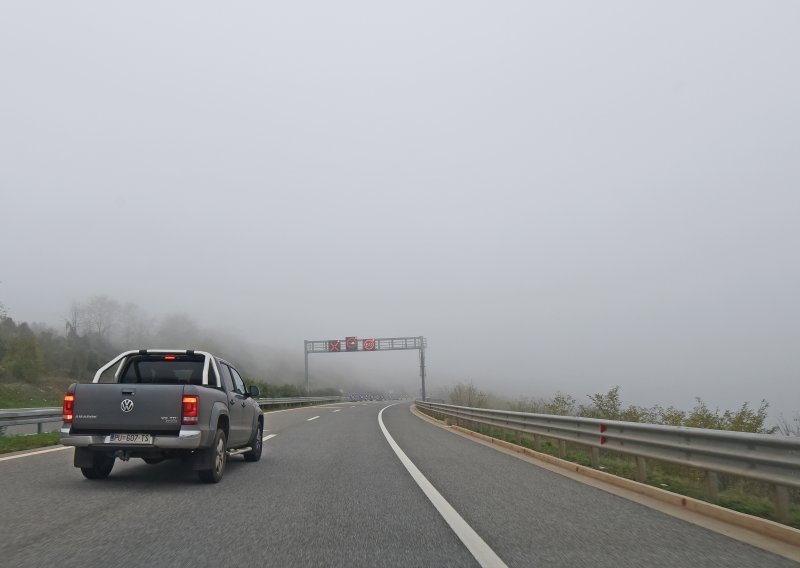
163	404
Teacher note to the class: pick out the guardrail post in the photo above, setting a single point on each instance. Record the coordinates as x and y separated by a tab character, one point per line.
782	503
537	442
40	428
641	469
595	457
562	449
712	485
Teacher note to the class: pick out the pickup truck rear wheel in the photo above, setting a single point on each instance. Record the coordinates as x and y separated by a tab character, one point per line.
101	466
255	454
217	457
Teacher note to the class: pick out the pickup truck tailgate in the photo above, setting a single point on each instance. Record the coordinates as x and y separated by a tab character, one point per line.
127	408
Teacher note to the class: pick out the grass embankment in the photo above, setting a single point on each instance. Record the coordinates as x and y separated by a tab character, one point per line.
29	442
745	496
43	393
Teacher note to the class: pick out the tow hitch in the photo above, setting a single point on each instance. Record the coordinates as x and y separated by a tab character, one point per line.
123	455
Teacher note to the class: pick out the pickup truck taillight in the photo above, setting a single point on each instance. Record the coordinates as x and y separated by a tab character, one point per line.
69	405
191	406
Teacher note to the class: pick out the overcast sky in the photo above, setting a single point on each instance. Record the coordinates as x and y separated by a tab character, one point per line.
557	195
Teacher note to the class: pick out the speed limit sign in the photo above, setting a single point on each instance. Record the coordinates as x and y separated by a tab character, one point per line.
369	345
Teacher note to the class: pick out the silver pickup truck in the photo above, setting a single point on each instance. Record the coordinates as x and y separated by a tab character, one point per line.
156	404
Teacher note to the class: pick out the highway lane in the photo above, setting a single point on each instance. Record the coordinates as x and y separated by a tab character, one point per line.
534	517
331	492
328	492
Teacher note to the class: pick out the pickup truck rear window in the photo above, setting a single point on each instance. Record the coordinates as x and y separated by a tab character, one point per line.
163	372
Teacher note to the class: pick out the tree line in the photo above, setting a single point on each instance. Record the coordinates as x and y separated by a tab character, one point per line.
609	406
97	329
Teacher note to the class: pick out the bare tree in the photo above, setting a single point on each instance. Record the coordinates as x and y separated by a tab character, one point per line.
787	427
75	318
102	314
135	327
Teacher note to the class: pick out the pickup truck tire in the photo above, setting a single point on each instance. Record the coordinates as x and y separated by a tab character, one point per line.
257	445
217	457
101	466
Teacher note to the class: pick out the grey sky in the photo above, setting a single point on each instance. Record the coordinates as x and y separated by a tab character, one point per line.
557	195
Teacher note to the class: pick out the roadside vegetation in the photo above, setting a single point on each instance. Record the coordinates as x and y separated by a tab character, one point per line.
38	362
100	327
609	406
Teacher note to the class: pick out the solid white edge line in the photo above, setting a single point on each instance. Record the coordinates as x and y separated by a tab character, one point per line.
36	453
485	556
265	438
314	418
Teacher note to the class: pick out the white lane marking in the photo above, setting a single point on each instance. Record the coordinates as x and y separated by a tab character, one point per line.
485	556
297	408
36	453
265	438
337	410
314	418
353	406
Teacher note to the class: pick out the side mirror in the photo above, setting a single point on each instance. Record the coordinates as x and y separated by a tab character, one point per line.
253	391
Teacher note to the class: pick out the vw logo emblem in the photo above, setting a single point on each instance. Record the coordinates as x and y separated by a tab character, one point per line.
126	405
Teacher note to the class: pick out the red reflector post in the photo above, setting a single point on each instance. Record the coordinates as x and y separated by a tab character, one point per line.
68	409
190	409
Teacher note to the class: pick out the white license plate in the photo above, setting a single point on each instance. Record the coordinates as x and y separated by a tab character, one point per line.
129	439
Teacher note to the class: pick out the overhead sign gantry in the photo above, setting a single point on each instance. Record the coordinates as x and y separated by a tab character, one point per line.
353	344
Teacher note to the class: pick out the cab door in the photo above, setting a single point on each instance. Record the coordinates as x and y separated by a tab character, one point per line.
249	407
237	406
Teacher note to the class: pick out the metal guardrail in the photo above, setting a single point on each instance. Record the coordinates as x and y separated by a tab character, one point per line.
298	400
769	458
41	416
38	416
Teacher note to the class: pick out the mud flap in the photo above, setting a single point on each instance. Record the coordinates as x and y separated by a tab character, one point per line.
84	457
202	459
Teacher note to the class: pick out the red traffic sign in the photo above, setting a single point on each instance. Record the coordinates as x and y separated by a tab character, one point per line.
369	345
334	345
351	343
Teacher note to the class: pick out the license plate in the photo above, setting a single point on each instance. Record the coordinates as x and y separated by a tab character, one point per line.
129	439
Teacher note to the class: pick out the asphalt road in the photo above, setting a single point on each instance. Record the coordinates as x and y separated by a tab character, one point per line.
332	492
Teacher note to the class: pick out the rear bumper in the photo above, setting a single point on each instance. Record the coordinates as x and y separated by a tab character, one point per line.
185	440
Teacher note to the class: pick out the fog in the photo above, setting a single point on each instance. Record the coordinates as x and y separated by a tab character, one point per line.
558	196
